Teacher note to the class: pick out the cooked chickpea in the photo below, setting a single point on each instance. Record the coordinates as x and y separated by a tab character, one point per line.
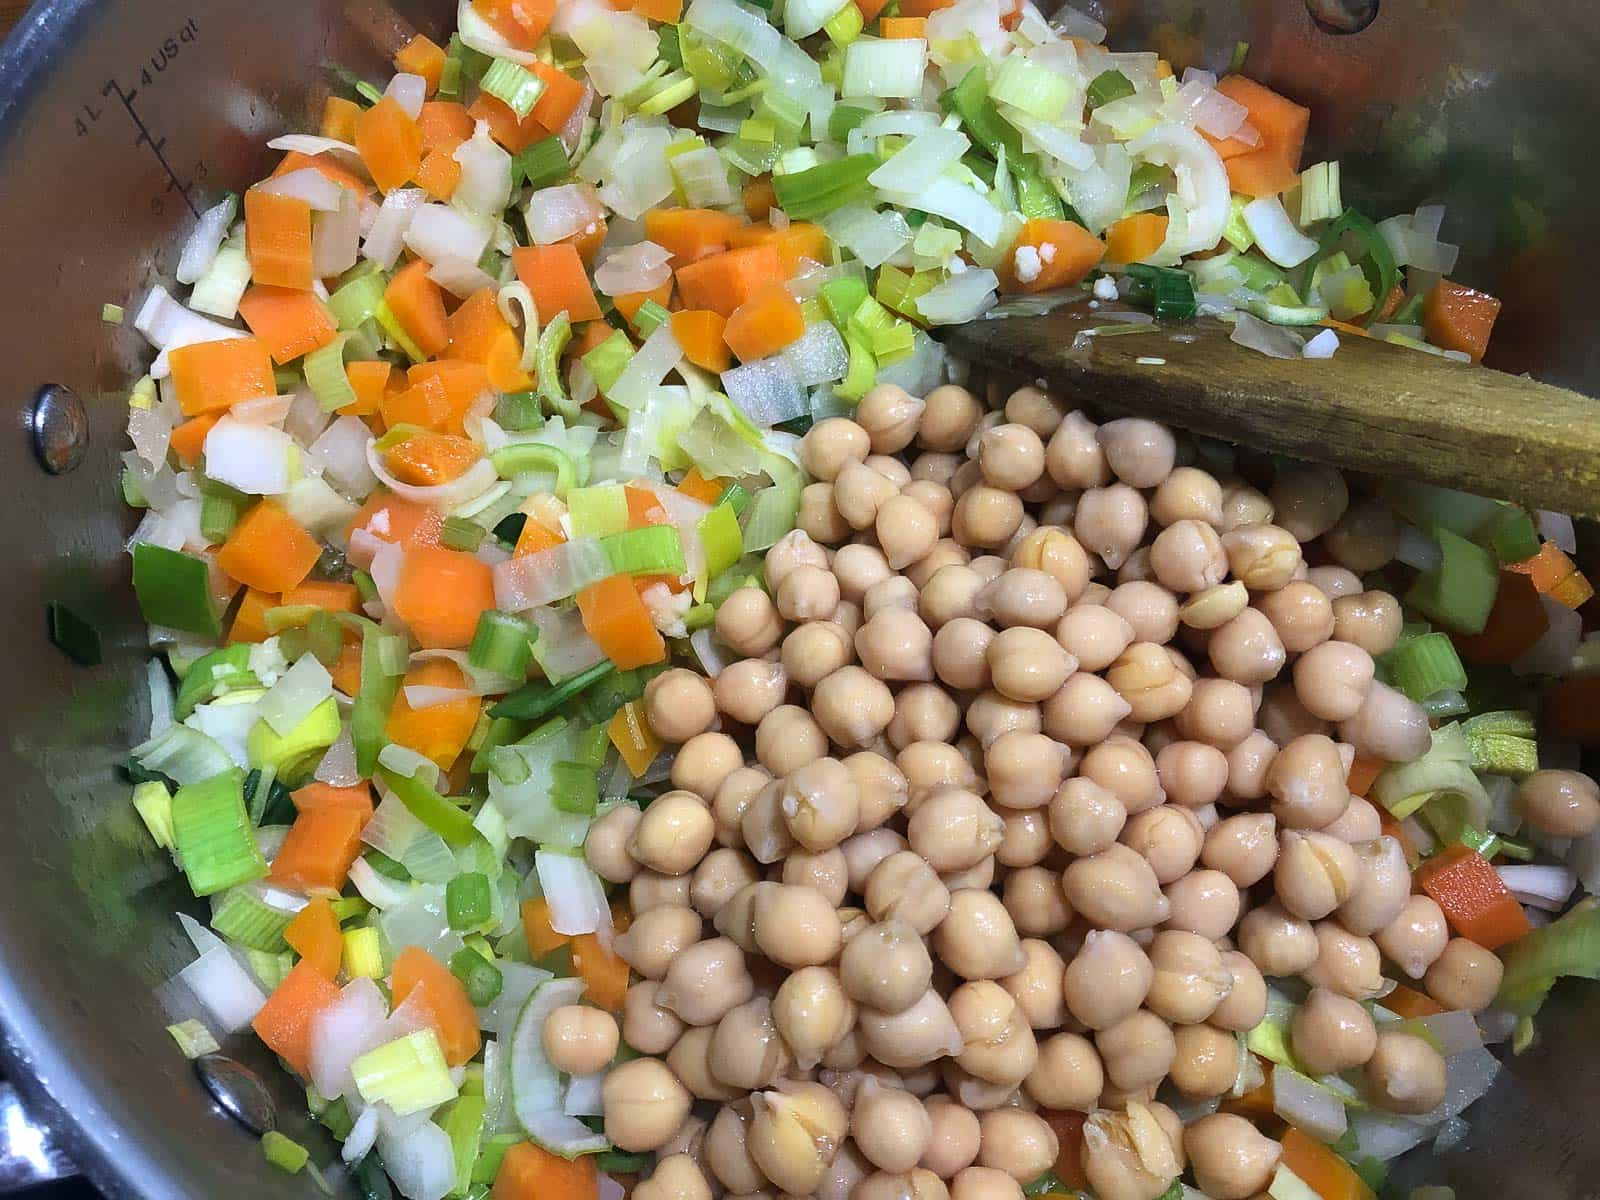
1332	680
580	1040
749	622
746	691
1020	1143
945	553
1187	556
1465	976
1243	1007
704	761
953	829
1187	494
951	593
796	926
880	785
1074	456
916	1035
1125	768
891	1127
991	715
931	766
1415	939
1167	837
889	415
679	704
986	516
852	707
906	530
808	594
1191	773
980	876
1334	582
1023	596
647	1025
1307	783
1383	888
830	444
1560	803
1038	410
788	738
1149	609
886	967
916	1184
1314	874
674	834
718	879
820	802
1084	710
1244	848
1247	649
1332	1033
727	1150
895	645
644	1104
1230	1157
949	417
1278	943
606	847
1139	452
1137	1050
793	549
1094	635
764	831
1024	769
704	981
1128	1155
1371	620
819	516
1107	980
1405	1074
657	936
857	568
1308	499
841	1177
746	1049
1213	608
676	1177
1365	538
1110	522
794	1134
1360	822
1148	676
1033	897
1281	715
923	712
812	1013
1248	764
903	887
1051	549
1220	712
1189	979
690	1060
1011	456
1346	964
1205	1062
984	1183
1262	557
1390	726
734	797
1204	902
1301	613
960	653
1027	838
977	939
1115	889
953	1137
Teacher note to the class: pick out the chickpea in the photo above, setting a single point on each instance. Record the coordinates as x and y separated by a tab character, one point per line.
1415	939
1024	769
1332	1033
810	654
647	1026
1074	456
949	417
788	738
1187	494
825	871
886	967
746	1051
1347	964
1262	557
1033	897
644	1104
1137	1050
746	691
606	847
1204	902
1382	889
986	516
880	787
819	516
935	497
1560	803
906	531
1332	680
984	1183
796	926
1371	620
889	415
938	466
749	622
1405	1074
857	568
980	877
1278	943
945	553
1037	987
763	828
812	1013
932	766
656	937
895	592
704	761
1465	976
718	878
1244	848
727	1149
843	1174
951	593
1308	499
977	939
1214	607
1094	635
793	549
992	715
1282	717
953	1137
1023	596
1365	538
923	712
1110	522
1107	980
1128	1155
916	1184
1150	610
1191	773
733	798
864	851
830	444
1220	713
1231	1158
1187	556
1246	649
1167	837
1359	823
1147	675
580	1040
1052	550
1115	889
1139	452
852	707
1027	838
891	1127
674	834
679	704
677	1177
1038	410
1248	765
953	830
1011	456
1205	1061
704	981
1333	582
1084	710
1189	980
820	802
960	653
651	889
896	645
1125	768
916	1035
808	593
1020	1143
794	1134
903	887
1389	726
1307	783
1314	874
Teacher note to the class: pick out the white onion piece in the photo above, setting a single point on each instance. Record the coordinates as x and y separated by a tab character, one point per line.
252	458
1274	341
1309	1108
1455	1031
576	898
308	184
460	277
338	765
421	1162
1545	886
167	325
421	696
150	431
343	1032
336	237
477	479
1552	654
261	410
1202	186
583	1095
340	452
486	171
1323	345
1275	233
312	145
385	572
705	649
408	91
200	251
363	1133
961	298
532	580
641	267
565	647
387	237
1557	527
224	988
438	232
555	213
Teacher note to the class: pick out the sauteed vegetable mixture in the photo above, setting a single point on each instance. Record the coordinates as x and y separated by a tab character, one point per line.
641	717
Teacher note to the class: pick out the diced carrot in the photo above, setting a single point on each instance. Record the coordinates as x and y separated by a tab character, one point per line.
1049	254
331	597
479	334
504	365
389	143
211	377
1391	303
588	241
903	27
512	134
635	741
560	99
587	336
314	935
440	173
630	303
417	302
346	671
369	381
758	197
695	485
1343	327
318	850
722	282
795	242
1456	317
420	56
541	935
1323	1171
455	383
1546	568
441	594
189	439
1572	709
1067	1124
396	519
339	119
528	1172
666	11
1362	772
557	281
1134	239
699	333
440	731
317	796
605	972
1515	623
644	508
442	121
284	1022
1256	1104
268	549
250	622
429	459
289	323
1572	592
617	619
690	233
1408	1002
1475	901
1273	166
325	165
520	22
536	536
449	1008
764	324
424	406
277	235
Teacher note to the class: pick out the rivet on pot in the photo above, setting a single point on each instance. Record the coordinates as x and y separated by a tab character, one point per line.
1342	16
238	1091
60	428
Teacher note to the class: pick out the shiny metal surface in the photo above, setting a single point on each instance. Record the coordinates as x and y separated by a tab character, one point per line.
118	117
29	1154
238	1091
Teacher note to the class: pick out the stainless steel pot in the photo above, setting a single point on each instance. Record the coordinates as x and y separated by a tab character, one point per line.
119	117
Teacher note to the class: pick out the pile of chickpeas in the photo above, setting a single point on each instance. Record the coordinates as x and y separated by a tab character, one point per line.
1051	729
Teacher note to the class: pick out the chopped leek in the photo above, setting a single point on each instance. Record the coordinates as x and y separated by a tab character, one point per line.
153	803
541	699
1106	87
241	915
516	87
193	1039
1426	665
428	806
362	954
408	1074
283	1152
502	644
213	836
553	340
653	550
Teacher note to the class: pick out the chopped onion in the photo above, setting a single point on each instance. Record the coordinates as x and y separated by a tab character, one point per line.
479	478
252	458
421	1161
1309	1108
438	232
308	184
341	455
1275	233
150	430
574	893
641	267
1455	1031
336	237
532	580
963	297
1202	187
363	1134
767	391
705	649
564	648
818	356
583	1095
387	237
224	988
167	325
200	251
338	765
556	213
461	277
1417	549
873	237
486	172
1543	886
1557	527
343	1032
312	146
920	161
1275	341
1323	345
408	91
476	33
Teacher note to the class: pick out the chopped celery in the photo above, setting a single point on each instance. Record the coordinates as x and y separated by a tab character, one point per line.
212	834
652	550
283	1152
502	643
1426	665
514	86
1459	593
408	1074
362	956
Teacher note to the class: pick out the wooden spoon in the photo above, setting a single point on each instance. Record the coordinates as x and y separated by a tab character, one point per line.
1372	407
